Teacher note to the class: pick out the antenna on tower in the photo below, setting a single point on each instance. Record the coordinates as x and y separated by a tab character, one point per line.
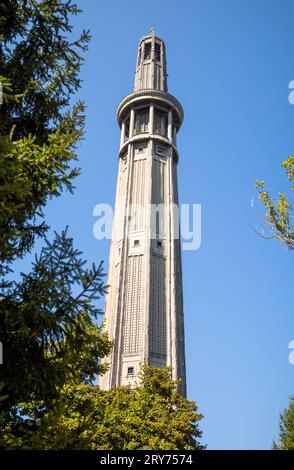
152	31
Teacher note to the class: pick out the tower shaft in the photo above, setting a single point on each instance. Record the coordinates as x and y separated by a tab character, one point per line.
144	304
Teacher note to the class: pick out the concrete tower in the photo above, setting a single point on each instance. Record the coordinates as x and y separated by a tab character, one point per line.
144	306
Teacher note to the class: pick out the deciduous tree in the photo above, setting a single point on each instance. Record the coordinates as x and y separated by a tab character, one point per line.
151	416
278	216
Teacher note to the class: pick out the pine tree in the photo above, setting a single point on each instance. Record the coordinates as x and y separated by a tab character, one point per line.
49	325
286	435
48	321
39	72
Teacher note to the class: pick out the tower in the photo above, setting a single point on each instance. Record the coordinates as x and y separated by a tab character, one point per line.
144	305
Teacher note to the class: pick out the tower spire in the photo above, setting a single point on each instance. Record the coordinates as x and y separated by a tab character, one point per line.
151	63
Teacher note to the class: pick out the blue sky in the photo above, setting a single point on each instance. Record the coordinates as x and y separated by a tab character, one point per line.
229	63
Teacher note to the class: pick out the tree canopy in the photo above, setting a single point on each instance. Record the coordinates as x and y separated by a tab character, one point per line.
48	318
278	219
151	416
278	216
286	428
39	72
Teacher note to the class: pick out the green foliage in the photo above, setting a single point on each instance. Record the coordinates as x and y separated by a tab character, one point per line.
39	71
31	173
40	62
278	219
48	322
278	216
151	416
286	435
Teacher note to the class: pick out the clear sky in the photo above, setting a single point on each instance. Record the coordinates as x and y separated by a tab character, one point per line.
229	63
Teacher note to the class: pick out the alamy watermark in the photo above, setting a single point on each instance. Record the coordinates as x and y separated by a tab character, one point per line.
166	221
291	353
291	94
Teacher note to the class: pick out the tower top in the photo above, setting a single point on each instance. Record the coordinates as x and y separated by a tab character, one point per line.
151	63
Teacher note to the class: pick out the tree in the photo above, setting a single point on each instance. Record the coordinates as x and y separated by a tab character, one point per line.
278	217
286	435
39	71
151	416
278	220
49	324
30	174
48	321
